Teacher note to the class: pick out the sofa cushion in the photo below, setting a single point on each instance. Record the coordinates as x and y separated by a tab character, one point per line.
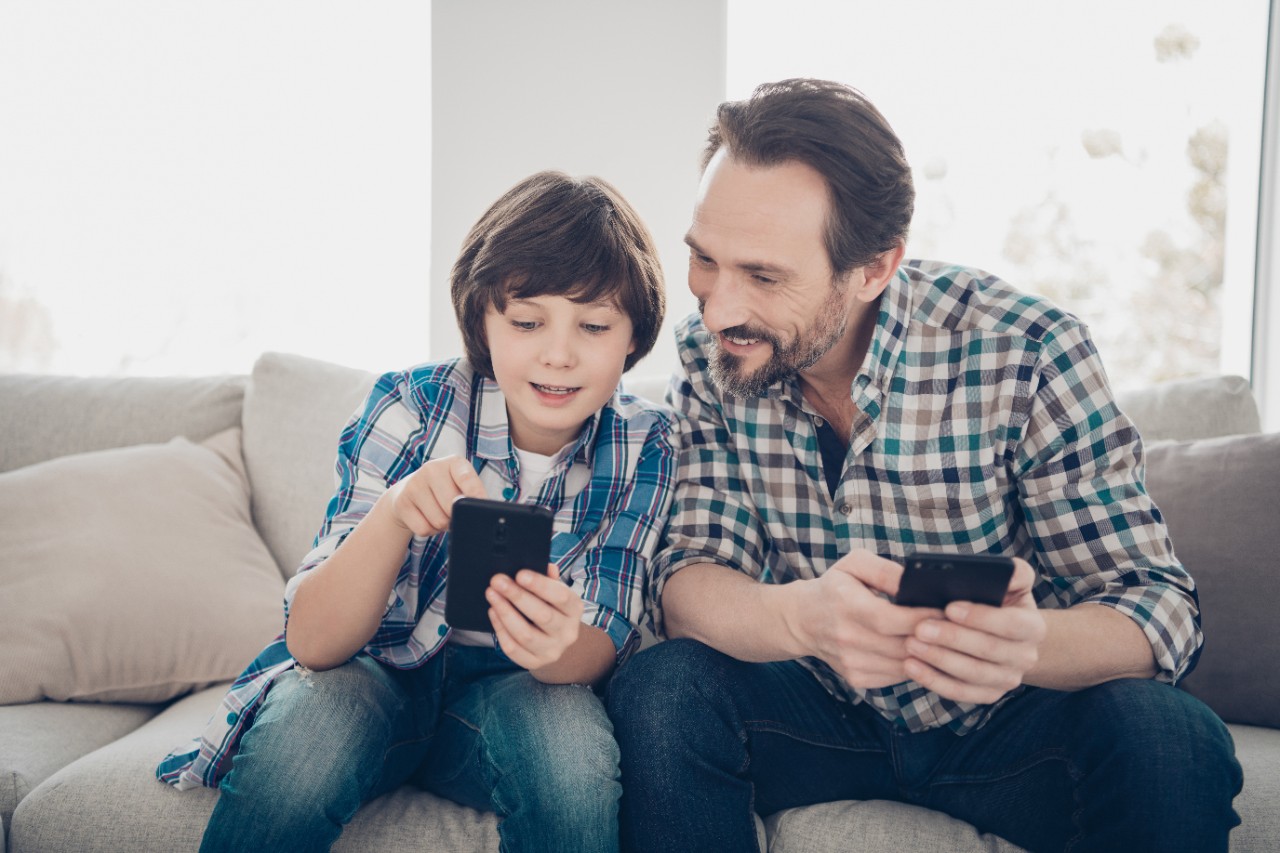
44	417
1258	750
132	574
1218	497
119	780
880	826
294	412
1187	409
42	737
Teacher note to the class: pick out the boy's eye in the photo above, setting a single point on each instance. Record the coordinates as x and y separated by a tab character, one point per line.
595	328
525	325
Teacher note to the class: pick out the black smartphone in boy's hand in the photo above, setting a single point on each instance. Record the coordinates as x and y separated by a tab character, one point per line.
937	579
487	537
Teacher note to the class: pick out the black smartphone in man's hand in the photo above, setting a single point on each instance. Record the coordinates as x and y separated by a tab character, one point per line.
487	537
937	579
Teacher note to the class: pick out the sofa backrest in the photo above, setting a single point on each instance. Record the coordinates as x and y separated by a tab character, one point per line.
44	417
294	412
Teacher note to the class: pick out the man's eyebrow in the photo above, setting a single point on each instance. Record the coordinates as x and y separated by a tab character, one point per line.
770	270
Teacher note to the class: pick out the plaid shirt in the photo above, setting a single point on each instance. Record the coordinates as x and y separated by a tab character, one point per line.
984	424
606	525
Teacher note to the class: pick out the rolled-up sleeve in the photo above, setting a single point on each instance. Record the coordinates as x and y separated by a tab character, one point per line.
614	568
1099	537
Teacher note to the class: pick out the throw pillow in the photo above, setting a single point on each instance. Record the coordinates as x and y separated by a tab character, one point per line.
132	574
1218	497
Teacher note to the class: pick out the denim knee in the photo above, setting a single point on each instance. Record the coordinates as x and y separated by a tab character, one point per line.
668	682
319	730
1166	752
560	741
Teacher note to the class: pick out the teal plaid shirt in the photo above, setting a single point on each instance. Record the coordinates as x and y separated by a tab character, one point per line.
604	534
984	424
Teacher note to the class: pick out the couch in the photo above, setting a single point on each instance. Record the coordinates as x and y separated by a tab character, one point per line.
147	526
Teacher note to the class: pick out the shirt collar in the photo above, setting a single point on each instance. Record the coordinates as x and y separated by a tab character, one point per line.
887	342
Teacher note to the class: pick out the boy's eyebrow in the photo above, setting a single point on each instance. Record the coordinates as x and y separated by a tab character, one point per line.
771	270
605	304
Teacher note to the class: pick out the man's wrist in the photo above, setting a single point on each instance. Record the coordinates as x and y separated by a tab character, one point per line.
785	603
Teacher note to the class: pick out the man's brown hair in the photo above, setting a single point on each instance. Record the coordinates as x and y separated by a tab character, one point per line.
552	234
836	131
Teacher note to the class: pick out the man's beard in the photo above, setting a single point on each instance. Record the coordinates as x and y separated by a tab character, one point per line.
802	353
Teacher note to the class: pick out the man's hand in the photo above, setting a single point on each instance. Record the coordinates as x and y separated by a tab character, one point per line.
977	653
839	618
535	617
422	503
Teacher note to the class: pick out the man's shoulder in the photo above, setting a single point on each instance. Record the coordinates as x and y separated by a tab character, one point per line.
957	298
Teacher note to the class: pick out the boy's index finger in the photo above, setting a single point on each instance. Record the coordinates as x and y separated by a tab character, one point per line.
467	480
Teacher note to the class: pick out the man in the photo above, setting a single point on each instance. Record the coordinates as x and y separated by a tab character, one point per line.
840	409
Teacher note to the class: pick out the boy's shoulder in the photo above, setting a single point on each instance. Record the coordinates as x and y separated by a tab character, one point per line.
634	413
427	386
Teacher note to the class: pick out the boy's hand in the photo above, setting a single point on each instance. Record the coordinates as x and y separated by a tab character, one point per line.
535	617
422	503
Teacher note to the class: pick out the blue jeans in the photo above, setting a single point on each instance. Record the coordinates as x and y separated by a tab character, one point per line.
706	740
468	725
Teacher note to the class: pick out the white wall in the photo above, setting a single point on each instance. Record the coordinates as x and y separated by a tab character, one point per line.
624	91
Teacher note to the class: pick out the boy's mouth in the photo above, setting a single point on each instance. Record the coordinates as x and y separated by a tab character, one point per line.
556	390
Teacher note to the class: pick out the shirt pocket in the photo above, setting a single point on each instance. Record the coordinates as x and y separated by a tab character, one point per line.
944	498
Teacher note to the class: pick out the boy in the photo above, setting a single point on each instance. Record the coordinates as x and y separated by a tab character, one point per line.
557	291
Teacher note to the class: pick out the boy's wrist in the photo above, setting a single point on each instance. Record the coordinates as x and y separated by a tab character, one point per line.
383	521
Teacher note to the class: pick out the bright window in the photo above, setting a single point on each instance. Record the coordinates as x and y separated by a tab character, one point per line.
185	185
1102	154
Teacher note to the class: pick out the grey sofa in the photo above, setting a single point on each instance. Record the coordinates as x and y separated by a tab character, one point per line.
79	775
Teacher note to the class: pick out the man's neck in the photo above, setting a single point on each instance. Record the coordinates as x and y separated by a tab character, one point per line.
832	375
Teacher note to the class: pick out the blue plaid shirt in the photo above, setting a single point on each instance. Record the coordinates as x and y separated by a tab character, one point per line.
605	529
984	424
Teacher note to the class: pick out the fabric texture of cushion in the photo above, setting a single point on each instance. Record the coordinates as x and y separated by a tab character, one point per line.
45	417
1218	497
39	738
1188	409
294	412
132	575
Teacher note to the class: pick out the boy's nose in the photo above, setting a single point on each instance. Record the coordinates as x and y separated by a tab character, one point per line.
558	352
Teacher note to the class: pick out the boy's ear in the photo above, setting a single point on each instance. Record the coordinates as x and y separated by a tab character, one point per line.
632	348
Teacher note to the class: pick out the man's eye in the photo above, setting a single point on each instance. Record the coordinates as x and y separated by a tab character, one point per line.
763	279
701	260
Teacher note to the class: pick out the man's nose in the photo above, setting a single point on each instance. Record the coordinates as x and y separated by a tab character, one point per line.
722	302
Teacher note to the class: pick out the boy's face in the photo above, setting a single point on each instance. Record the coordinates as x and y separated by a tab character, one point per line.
557	362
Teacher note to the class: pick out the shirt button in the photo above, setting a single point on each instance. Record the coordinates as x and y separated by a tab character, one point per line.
508	493
845	509
818	422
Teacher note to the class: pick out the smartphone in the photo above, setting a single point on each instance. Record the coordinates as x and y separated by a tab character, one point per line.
937	579
487	537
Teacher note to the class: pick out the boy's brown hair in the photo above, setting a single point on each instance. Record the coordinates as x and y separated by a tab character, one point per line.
564	236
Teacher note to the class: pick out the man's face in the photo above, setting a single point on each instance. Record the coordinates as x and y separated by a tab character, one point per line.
758	267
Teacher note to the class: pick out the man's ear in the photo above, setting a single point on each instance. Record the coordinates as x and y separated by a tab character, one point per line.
877	274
